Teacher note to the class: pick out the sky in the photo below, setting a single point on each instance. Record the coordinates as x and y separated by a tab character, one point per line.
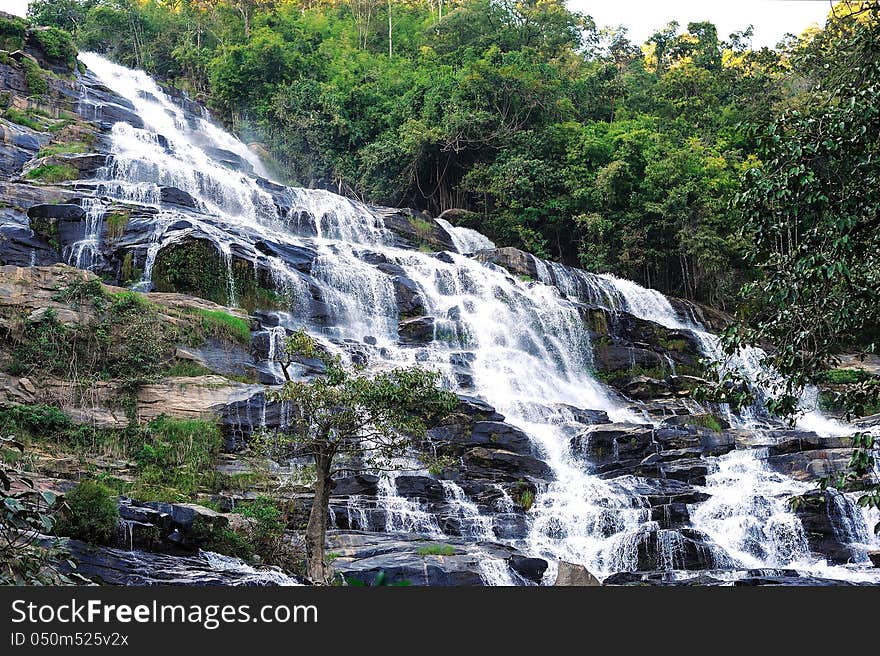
772	18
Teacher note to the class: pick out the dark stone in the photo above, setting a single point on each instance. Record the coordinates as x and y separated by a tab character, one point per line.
61	211
409	299
689	470
611	445
582	416
531	569
421	487
175	196
477	408
416	331
821	514
514	260
504	465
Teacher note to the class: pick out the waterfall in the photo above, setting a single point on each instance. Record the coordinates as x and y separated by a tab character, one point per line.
466	241
527	345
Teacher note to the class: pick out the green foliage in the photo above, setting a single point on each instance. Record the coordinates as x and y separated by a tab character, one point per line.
554	137
53	173
22	118
811	214
176	458
71	148
842	376
34	77
25	516
437	550
12	33
89	513
220	324
56	44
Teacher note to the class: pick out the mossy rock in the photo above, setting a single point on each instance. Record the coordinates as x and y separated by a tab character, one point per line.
196	267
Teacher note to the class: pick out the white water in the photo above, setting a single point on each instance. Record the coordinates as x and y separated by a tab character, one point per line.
466	241
531	348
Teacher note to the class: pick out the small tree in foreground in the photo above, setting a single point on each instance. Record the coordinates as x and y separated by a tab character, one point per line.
349	421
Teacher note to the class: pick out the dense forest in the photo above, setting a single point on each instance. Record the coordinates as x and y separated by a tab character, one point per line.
550	133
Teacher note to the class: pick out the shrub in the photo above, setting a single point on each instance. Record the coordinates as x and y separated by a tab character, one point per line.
177	457
34	77
89	514
72	148
56	44
12	33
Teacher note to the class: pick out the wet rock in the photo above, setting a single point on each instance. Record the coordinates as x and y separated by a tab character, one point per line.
175	196
61	211
422	487
477	408
811	465
415	228
612	446
364	484
514	260
823	514
409	299
689	470
416	331
531	569
499	435
663	549
495	464
581	415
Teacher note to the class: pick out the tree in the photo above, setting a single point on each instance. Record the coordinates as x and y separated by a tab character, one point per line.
811	211
348	421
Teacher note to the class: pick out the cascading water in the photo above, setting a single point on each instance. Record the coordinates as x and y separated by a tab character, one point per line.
527	344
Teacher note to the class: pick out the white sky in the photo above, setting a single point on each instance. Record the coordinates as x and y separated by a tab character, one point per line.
14	6
772	18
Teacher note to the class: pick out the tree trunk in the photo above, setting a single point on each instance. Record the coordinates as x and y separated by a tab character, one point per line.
317	527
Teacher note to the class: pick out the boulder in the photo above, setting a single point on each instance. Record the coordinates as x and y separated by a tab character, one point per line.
496	464
422	487
175	196
570	574
363	484
416	331
514	260
531	569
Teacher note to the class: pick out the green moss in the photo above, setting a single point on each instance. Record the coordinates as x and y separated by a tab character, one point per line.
72	148
35	77
196	268
437	550
709	421
844	376
116	223
223	325
22	118
53	173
